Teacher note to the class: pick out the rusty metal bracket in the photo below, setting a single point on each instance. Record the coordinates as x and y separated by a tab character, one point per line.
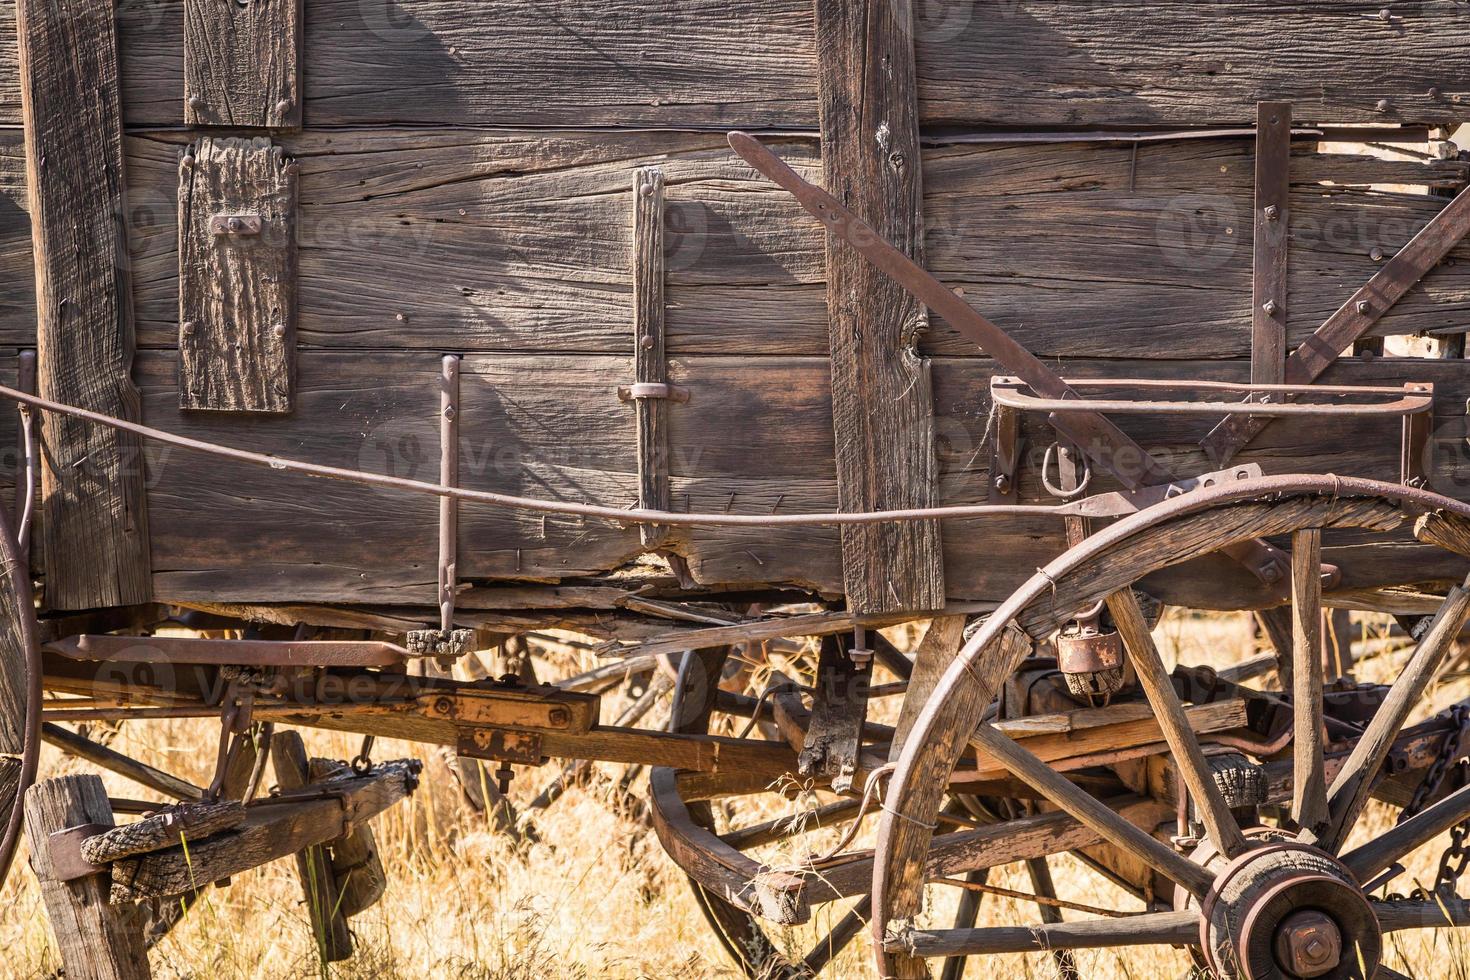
1005	454
237	225
521	748
1415	447
67	863
538	708
641	391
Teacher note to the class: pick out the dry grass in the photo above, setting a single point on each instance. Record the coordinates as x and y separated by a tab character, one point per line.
596	897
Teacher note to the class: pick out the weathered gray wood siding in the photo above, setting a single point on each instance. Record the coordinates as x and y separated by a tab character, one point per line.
447	204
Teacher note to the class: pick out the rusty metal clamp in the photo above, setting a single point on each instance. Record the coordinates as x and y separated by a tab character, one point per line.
641	390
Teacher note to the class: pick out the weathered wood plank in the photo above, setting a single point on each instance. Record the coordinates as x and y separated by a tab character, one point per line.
93	513
549	427
237	276
97	941
882	399
519	242
242	64
727	63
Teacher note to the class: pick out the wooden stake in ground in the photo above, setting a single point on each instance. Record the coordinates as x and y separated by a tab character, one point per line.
96	940
318	883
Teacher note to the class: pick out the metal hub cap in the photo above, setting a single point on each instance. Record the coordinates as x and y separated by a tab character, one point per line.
1285	911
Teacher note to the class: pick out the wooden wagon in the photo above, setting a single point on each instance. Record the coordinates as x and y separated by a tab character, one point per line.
357	334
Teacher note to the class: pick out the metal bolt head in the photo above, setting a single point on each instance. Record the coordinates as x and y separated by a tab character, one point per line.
283	107
1363	306
1308	944
196	102
1385	14
559	717
279	331
1381	105
1270	307
1272	212
188	328
1376	254
1002	483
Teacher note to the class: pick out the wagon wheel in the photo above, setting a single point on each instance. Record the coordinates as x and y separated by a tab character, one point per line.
742	895
1288	901
20	690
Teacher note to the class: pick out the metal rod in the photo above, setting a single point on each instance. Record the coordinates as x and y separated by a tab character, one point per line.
449	477
618	515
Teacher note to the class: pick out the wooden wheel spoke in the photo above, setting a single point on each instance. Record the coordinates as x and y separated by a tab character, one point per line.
1384	849
1309	783
1091	812
1349	792
1151	929
1194	771
836	941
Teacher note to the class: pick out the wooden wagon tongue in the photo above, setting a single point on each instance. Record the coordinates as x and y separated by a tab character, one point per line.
1094	434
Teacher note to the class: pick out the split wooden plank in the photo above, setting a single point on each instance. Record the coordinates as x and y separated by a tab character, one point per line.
1272	242
882	398
93	511
97	940
237	276
649	367
242	63
269	832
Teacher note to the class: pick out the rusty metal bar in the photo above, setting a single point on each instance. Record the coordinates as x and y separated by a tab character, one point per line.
449	477
1413	399
1268	299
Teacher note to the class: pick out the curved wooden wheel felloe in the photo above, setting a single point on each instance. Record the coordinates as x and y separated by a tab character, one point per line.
1281	900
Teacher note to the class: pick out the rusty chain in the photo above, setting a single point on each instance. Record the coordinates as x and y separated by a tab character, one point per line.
1456	857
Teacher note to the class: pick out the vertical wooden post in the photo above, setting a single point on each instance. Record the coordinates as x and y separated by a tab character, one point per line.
318	883
882	402
1273	187
648	348
94	520
97	940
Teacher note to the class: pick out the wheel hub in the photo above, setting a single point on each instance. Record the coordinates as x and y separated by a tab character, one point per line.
1286	911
